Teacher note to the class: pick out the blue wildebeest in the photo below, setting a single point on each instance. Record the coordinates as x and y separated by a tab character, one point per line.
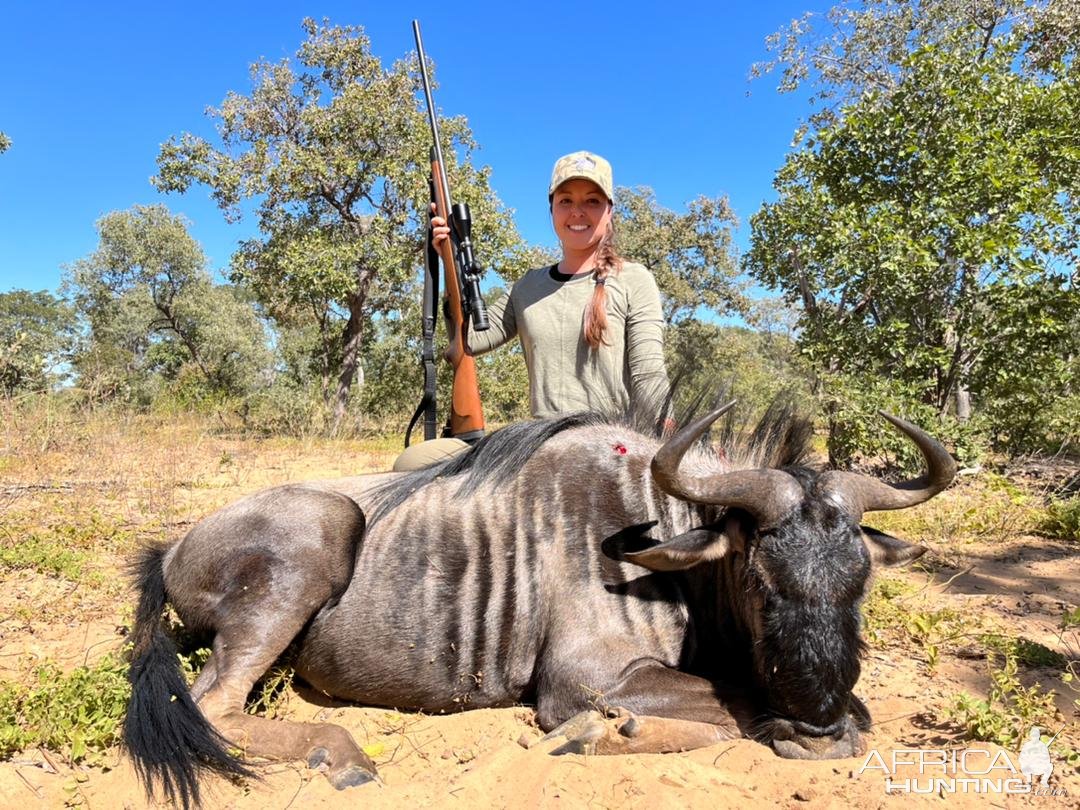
571	563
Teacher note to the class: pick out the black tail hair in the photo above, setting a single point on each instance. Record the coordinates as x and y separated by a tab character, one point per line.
168	738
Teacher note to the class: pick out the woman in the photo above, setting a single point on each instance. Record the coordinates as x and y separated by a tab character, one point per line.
591	326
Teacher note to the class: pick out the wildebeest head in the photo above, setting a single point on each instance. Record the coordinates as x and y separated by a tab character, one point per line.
801	562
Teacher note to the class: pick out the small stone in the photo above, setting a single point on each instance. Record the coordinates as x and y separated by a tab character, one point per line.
525	740
804	795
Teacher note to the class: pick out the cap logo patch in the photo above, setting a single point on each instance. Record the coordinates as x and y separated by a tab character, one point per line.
584	163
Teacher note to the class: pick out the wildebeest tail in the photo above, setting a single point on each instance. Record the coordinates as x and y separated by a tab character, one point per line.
168	738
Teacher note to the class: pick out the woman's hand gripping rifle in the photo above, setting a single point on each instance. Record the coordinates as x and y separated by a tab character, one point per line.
463	300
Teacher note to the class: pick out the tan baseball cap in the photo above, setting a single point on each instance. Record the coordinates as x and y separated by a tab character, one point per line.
585	165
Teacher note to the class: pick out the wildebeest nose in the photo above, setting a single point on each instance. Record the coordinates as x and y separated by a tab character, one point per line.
794	739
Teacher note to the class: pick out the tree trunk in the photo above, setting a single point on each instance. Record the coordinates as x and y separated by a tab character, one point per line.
963	403
352	339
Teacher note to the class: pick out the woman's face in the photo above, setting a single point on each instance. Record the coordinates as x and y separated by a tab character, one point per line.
580	213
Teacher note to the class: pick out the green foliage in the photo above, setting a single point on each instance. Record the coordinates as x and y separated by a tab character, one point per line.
691	255
1071	619
753	367
36	333
77	714
191	663
62	548
894	607
857	433
156	323
5	143
1027	653
927	226
861	42
45	554
1061	519
270	696
896	610
334	149
1010	709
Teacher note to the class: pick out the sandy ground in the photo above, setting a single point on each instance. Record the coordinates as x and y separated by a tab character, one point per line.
477	759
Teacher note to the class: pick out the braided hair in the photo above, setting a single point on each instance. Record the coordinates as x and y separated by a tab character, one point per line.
608	264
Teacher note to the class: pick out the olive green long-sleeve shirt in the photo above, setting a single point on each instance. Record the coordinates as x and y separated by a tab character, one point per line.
547	309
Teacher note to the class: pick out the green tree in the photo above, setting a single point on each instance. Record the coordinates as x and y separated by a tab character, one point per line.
5	143
859	47
753	366
153	313
334	148
691	255
917	218
36	332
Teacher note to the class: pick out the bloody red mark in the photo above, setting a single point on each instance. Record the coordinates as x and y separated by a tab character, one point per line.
619	448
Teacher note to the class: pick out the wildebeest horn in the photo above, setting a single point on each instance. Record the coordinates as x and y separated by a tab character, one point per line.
861	493
767	494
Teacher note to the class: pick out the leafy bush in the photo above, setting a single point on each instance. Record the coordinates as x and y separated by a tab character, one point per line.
857	432
1061	520
1011	709
77	714
44	554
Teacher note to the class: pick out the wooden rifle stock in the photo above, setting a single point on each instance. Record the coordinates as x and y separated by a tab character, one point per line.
466	413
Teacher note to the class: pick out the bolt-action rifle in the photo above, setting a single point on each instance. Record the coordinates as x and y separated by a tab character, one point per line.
464	303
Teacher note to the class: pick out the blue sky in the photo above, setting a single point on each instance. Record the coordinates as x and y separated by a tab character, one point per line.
90	91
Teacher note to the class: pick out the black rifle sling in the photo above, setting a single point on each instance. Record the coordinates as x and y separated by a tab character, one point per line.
427	405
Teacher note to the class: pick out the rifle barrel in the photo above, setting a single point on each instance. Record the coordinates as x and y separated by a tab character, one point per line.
432	119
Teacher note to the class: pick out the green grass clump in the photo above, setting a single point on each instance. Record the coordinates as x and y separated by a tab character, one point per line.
44	553
1007	713
77	714
895	610
64	547
268	698
1061	521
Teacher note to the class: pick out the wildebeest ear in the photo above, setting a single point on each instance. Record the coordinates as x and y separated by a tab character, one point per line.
888	550
685	551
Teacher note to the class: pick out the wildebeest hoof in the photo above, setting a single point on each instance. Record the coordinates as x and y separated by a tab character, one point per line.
583	740
318	759
631	728
589	731
577	746
352	776
573	727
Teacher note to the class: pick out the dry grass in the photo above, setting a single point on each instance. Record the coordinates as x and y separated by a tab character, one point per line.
79	491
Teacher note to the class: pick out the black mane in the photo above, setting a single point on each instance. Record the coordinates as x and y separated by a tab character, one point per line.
495	457
781	439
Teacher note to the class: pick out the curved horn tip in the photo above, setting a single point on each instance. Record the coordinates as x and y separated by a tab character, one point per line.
943	465
665	461
722	410
896	420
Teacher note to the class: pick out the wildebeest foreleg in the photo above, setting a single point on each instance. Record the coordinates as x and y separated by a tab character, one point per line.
655	709
626	733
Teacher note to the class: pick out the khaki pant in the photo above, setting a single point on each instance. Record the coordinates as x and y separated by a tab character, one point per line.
424	454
